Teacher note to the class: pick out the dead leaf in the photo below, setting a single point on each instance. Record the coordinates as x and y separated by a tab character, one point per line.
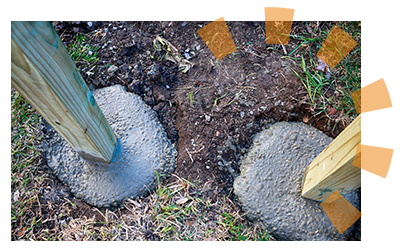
190	222
182	200
305	119
172	53
309	29
332	111
16	196
324	67
20	233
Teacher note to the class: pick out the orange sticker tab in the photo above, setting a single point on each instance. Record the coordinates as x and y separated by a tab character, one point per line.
222	19
356	96
335	47
376	96
375	160
340	211
278	23
278	14
217	37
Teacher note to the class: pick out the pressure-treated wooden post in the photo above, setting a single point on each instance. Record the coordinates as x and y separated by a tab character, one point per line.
332	169
44	73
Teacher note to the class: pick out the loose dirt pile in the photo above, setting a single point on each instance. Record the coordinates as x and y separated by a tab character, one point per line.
211	111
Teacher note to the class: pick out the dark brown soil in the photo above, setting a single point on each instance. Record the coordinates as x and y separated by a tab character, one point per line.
212	111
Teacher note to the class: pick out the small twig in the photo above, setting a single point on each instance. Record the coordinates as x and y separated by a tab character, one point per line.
251	52
284	50
121	80
189	155
270	97
197	151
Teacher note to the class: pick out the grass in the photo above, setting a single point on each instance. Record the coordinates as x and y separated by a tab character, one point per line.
345	78
313	81
177	210
180	212
27	178
83	53
25	159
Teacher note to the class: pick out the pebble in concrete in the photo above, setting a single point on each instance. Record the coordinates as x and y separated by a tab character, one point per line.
142	150
269	185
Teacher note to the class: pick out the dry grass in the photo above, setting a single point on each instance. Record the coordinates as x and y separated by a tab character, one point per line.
174	212
26	178
177	211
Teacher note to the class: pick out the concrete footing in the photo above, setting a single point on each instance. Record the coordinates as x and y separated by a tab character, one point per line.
269	185
143	151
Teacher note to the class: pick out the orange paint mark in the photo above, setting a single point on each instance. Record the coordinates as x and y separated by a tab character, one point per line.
222	19
278	23
217	37
278	14
375	95
356	96
335	47
375	160
341	212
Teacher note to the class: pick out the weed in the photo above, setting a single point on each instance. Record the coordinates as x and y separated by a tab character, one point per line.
313	81
82	52
174	211
171	54
345	78
191	98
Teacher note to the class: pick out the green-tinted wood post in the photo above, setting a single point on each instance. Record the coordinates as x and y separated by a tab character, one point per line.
43	72
333	169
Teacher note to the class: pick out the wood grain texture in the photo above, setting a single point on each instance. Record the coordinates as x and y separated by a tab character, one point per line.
332	169
44	73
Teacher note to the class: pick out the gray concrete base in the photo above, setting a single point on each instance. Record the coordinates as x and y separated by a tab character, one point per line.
269	184
142	150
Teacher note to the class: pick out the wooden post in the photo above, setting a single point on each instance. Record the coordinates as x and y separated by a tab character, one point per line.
332	169
43	72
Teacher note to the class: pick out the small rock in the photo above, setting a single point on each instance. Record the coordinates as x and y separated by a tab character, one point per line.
134	87
187	56
161	98
278	102
212	224
112	69
208	118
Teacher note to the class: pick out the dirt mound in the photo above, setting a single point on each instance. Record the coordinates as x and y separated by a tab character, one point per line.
212	105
